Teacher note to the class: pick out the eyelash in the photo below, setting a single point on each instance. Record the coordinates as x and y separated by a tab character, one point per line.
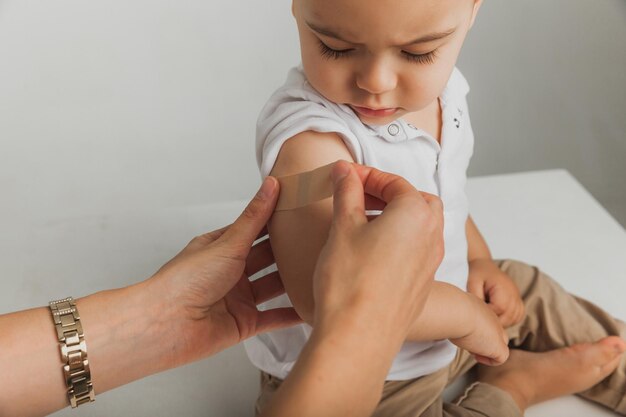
330	53
427	58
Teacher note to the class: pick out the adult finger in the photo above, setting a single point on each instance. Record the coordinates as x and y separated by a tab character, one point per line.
255	216
348	195
262	233
383	185
260	256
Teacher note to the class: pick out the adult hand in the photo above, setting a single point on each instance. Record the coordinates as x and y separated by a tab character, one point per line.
371	282
197	304
208	283
379	270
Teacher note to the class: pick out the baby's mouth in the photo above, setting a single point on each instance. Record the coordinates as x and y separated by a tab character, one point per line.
369	112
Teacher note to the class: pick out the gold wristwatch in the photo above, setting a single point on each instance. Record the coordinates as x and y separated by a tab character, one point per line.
73	352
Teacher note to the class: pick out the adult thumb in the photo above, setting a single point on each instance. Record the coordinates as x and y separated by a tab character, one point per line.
256	214
348	196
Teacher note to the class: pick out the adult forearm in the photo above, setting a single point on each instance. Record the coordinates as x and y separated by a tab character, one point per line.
338	373
445	314
29	354
124	342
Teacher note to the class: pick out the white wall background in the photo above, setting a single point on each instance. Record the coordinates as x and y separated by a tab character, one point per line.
116	104
106	106
549	91
117	116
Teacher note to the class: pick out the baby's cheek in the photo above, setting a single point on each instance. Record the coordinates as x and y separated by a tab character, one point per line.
329	80
425	87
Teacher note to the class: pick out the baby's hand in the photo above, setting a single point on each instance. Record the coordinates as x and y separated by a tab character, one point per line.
486	338
487	282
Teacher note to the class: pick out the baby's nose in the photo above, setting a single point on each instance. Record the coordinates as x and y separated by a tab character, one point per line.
376	78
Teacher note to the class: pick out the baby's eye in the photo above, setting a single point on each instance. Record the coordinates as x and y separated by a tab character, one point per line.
328	52
427	58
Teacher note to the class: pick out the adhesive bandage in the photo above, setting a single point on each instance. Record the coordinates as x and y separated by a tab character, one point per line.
302	189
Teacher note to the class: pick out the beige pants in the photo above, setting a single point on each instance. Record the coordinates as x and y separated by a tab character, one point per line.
553	319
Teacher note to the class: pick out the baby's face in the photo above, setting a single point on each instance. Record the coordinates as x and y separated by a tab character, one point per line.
383	58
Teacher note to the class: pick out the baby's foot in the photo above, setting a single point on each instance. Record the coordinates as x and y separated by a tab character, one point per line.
531	377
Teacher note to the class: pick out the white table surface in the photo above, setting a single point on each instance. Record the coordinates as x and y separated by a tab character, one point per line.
545	218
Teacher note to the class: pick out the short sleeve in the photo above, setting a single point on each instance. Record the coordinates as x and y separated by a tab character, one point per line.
295	108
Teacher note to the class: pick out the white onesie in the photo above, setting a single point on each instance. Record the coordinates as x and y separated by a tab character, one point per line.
399	148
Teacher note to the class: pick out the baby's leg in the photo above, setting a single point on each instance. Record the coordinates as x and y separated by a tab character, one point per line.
496	395
506	390
531	378
555	319
421	397
409	398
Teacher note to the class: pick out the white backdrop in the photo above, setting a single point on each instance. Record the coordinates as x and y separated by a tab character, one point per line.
118	104
106	105
116	116
549	91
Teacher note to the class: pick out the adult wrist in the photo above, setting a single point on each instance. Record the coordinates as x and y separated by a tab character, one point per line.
340	341
70	334
126	335
360	327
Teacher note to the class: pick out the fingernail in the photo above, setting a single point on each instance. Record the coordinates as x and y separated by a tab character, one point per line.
340	171
267	188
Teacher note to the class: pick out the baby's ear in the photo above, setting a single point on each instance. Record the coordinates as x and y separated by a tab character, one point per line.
293	8
477	4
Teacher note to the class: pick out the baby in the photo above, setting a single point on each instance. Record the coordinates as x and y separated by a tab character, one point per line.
378	86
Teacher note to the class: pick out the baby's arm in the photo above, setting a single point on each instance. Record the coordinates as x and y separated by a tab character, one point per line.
487	281
451	313
297	237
